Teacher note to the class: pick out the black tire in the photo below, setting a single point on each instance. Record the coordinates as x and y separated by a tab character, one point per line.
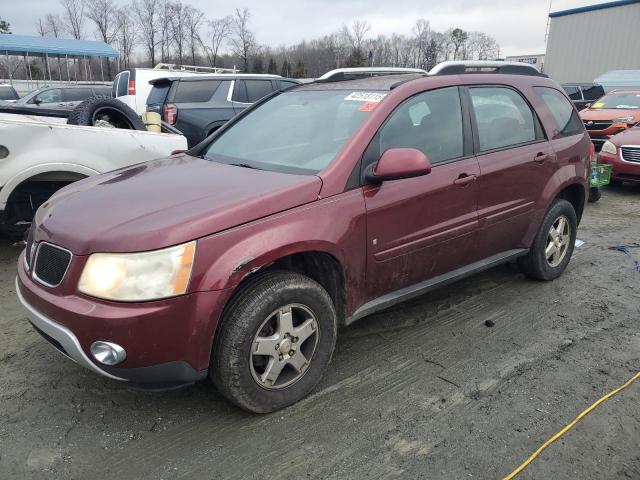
535	264
594	194
110	110
232	368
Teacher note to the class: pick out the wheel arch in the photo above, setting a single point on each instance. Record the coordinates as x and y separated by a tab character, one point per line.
47	172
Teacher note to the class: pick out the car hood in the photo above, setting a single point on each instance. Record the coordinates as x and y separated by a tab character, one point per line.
608	114
165	202
630	136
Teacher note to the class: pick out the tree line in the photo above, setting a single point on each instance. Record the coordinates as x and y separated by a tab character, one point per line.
146	32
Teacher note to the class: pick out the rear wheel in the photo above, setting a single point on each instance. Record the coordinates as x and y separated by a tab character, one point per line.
553	246
275	341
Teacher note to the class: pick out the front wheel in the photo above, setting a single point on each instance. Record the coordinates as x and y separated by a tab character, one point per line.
274	342
553	246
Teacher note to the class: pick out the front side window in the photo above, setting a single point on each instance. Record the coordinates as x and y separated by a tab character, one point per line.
566	118
300	131
502	116
430	122
49	96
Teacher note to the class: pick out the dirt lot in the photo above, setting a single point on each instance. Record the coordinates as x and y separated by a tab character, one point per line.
419	392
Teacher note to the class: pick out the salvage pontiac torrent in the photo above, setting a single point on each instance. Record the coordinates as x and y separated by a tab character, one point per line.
239	259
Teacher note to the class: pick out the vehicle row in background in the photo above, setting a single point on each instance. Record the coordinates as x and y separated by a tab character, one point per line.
622	152
583	94
199	105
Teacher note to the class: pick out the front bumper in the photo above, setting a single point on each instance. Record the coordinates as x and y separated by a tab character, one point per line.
621	170
167	343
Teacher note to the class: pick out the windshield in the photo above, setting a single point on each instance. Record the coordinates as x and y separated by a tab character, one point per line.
295	132
620	101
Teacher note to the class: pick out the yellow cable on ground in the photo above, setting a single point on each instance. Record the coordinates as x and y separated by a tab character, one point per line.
569	427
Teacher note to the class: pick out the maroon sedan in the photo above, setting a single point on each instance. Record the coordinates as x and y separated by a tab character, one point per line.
622	152
320	205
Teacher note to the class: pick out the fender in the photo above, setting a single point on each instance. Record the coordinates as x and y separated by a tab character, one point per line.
28	173
334	226
564	177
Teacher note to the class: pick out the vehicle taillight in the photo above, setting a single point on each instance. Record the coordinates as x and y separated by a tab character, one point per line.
169	113
592	153
132	87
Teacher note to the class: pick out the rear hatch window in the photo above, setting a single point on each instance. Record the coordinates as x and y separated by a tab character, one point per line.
157	96
121	84
8	93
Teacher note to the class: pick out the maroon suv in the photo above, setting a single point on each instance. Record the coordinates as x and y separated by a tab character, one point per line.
316	207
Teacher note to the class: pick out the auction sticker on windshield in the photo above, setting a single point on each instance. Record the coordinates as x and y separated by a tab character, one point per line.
374	97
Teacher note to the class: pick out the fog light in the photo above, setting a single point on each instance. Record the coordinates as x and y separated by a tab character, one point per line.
108	353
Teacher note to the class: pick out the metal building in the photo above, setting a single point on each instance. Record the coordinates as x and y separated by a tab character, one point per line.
586	42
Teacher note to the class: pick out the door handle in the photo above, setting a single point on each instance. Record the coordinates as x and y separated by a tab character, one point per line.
541	157
464	179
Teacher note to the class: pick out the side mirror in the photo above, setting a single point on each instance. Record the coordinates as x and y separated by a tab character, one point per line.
587	105
398	163
37	101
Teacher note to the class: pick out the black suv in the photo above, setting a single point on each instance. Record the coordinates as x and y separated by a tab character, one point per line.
199	105
582	94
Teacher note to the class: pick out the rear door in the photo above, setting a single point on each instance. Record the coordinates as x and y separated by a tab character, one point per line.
73	96
421	227
516	162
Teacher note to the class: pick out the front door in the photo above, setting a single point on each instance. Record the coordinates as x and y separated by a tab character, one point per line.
421	227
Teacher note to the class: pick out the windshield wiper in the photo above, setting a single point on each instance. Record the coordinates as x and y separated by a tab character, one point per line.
244	165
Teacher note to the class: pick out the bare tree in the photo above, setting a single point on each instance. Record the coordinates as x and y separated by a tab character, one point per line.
54	25
178	27
164	26
219	30
355	35
458	38
242	40
194	20
422	35
126	37
103	14
41	27
146	13
74	16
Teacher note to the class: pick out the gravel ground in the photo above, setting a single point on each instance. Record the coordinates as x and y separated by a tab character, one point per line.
423	391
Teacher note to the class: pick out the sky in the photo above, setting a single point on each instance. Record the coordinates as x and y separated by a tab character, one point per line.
518	26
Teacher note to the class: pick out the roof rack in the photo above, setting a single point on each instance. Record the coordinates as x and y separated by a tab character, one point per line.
340	74
485	66
193	68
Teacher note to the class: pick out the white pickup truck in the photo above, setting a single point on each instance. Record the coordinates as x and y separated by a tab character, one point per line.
39	155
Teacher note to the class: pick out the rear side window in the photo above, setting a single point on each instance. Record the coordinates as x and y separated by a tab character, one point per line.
77	94
503	117
257	89
121	85
195	92
430	122
593	93
573	92
566	118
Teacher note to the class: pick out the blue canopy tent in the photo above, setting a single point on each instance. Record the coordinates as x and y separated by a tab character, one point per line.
26	46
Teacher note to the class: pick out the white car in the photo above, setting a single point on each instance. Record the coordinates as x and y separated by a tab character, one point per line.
39	155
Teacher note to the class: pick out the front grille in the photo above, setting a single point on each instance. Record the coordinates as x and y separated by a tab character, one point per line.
631	154
51	264
597	125
28	248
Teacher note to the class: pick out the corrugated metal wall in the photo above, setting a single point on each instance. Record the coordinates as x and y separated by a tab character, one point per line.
585	45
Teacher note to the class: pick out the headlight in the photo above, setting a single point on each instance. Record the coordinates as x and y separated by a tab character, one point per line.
138	276
623	120
608	147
